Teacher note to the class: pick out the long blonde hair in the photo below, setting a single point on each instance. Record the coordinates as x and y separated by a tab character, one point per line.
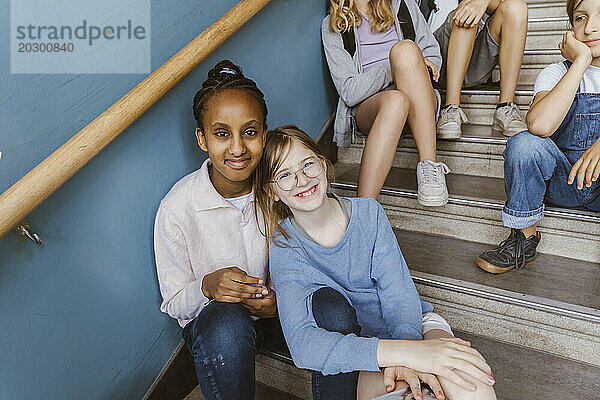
344	15
277	145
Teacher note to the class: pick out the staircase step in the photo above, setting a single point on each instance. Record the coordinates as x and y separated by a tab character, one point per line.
478	152
479	103
540	285
528	73
547	24
523	373
546	9
473	212
519	372
547	40
541	57
263	392
529	307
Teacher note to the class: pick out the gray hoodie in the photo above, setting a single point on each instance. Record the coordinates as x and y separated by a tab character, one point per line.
354	85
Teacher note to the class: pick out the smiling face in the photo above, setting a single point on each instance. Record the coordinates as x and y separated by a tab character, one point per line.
234	135
586	24
309	193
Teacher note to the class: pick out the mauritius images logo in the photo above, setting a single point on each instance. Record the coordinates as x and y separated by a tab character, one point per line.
80	36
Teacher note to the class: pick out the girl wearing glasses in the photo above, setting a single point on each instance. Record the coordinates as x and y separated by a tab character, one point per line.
211	258
346	300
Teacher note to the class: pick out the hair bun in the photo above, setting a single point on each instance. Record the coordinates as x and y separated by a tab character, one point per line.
224	69
227	70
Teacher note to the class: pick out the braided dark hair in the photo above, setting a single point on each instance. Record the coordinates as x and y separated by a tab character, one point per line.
225	75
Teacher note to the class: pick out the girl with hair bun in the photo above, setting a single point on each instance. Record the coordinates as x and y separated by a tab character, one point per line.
210	256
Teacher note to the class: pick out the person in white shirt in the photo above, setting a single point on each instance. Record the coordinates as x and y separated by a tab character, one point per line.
211	257
557	160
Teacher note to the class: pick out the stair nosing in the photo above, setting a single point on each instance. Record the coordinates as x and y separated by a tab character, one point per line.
538	20
470	201
543	51
277	356
495	92
462	139
507	296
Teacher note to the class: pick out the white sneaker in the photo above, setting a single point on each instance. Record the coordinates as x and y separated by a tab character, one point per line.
432	183
450	121
509	120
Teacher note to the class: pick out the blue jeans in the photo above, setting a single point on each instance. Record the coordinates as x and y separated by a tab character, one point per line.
536	169
223	340
332	312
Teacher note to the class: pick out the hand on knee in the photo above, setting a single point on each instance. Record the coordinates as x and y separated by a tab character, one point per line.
467	16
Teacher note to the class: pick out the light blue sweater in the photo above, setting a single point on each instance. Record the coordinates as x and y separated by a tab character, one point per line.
367	267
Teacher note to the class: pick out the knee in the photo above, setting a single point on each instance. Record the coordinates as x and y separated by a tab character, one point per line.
515	10
405	54
224	328
523	147
394	102
332	312
482	392
453	391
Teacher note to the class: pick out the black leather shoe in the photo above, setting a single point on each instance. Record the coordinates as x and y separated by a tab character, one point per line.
514	252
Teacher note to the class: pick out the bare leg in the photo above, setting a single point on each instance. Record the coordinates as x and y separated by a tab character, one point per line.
383	116
529	231
455	392
370	385
508	26
411	78
460	49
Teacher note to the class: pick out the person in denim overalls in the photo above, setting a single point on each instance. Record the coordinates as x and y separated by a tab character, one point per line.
558	158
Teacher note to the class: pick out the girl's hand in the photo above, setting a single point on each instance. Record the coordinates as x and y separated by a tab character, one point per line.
414	379
434	69
469	13
232	285
442	357
587	168
572	49
265	307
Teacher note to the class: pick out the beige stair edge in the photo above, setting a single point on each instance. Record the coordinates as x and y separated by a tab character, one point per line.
552	333
480	160
571	236
283	376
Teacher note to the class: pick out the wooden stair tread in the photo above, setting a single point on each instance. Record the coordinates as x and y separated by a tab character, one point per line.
548	277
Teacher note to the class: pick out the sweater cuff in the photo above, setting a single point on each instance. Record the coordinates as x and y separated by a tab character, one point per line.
432	321
366	355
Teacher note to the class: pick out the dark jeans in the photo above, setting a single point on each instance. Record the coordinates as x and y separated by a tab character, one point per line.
223	340
333	313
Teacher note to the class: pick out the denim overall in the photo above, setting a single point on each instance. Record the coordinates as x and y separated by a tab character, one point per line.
537	169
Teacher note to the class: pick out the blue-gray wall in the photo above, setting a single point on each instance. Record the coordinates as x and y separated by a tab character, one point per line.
80	315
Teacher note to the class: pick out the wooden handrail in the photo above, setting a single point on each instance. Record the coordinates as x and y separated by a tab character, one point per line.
31	190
